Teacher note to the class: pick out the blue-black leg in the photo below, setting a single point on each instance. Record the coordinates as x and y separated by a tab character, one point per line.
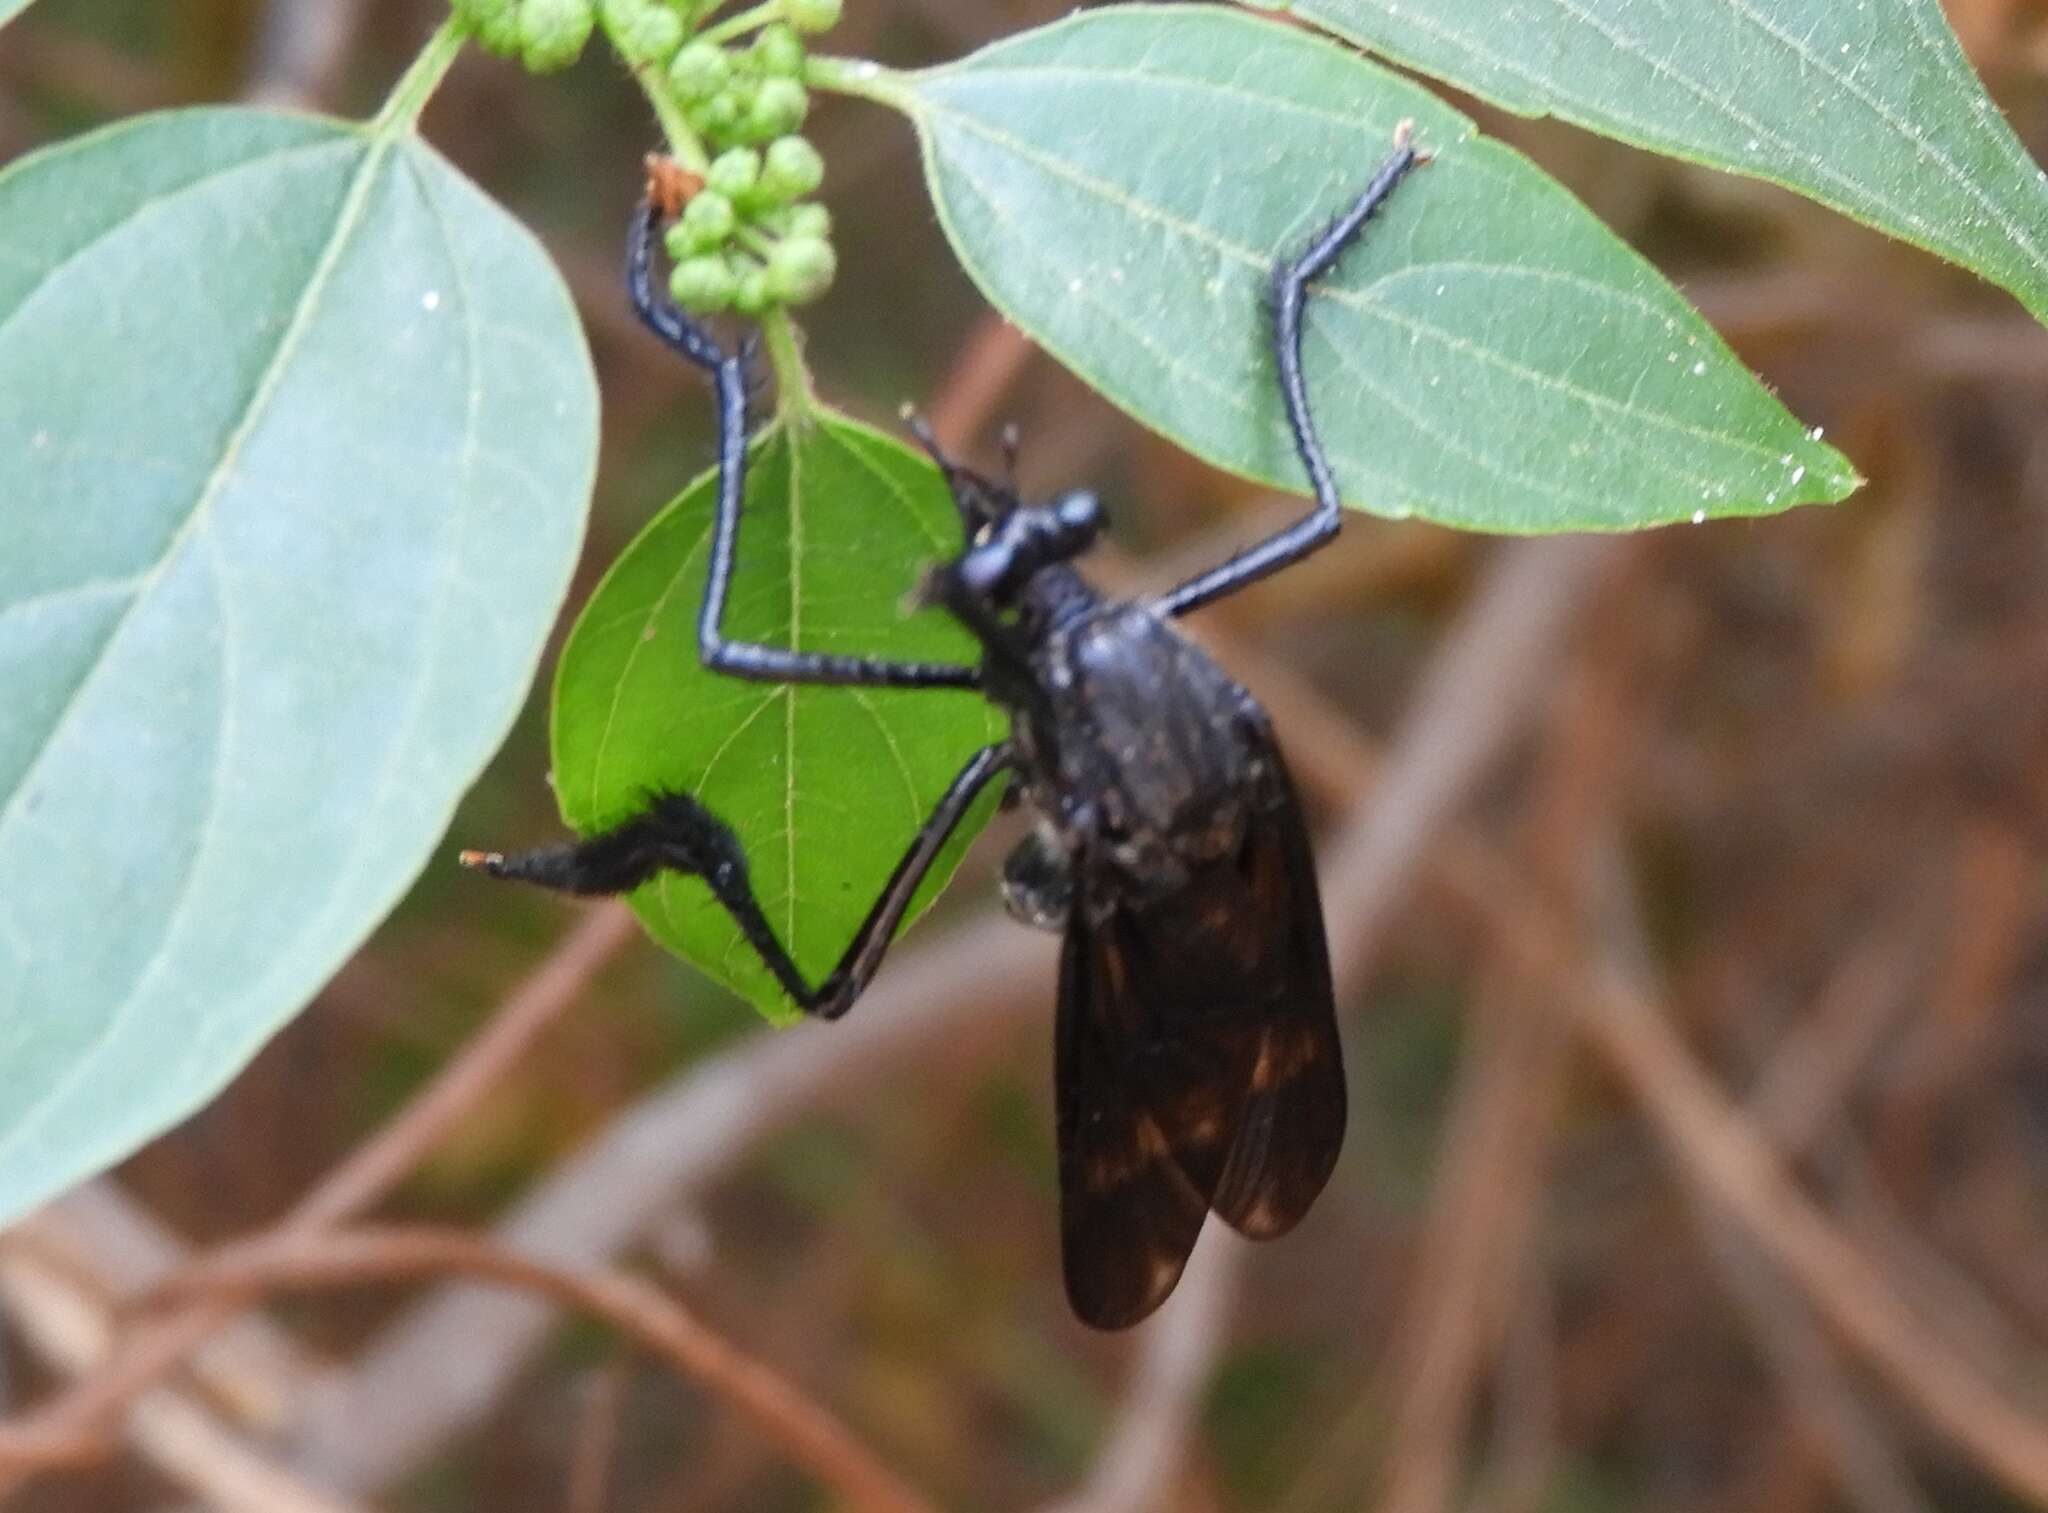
746	659
1290	292
678	834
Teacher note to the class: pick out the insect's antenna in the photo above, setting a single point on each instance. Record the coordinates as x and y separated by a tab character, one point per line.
1012	441
960	481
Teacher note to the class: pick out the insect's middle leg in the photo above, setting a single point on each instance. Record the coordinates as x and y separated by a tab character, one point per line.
1290	293
748	659
678	834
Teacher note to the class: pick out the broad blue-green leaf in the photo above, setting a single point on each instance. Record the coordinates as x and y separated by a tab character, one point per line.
1866	105
1121	183
297	431
824	786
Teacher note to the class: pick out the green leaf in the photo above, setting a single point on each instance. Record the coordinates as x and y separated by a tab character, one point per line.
824	786
299	432
1120	184
1870	107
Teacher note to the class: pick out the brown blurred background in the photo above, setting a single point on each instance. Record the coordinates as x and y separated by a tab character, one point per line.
1687	890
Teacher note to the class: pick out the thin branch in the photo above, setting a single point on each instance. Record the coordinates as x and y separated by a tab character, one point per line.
654	1321
1718	1148
72	1327
76	1422
1146	1448
603	1394
1501	1132
443	1363
1819	1056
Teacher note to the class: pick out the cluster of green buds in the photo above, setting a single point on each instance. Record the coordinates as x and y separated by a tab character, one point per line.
751	239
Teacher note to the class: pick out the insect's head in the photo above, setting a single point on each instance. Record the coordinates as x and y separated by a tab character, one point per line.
1008	541
1011	547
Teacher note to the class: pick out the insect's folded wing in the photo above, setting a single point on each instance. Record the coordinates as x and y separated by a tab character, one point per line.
1291	1124
1130	1208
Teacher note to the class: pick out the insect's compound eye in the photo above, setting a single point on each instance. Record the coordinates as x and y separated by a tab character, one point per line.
984	569
1079	513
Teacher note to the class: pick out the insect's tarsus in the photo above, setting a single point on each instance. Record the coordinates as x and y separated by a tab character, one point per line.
1289	296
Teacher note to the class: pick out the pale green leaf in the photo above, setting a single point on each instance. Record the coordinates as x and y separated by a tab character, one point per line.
298	433
1866	105
1120	184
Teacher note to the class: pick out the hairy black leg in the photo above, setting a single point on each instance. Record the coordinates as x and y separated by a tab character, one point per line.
747	659
678	834
1290	292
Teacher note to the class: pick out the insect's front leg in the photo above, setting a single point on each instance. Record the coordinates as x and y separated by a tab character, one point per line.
678	834
1289	294
748	659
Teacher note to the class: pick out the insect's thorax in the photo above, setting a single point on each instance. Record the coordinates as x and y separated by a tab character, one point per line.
1132	743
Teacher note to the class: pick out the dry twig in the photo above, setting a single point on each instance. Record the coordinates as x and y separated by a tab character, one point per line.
653	1320
74	1425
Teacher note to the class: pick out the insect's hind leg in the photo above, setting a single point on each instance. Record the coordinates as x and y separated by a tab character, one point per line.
728	370
1289	294
678	834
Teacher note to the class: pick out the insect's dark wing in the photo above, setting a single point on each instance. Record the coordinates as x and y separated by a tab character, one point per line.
1129	1212
1292	1124
1198	1065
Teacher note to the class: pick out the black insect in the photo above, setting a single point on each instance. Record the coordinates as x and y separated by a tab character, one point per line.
1197	1060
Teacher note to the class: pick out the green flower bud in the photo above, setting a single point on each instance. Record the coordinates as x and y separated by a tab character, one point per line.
699	72
552	32
733	173
643	32
800	269
790	169
813	15
498	28
812	220
780	51
707	223
777	109
752	296
703	285
717	117
480	14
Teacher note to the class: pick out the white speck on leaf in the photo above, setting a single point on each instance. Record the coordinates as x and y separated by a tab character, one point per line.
431	300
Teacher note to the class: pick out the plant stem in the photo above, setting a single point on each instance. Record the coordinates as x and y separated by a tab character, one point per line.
795	399
744	21
401	110
861	77
683	145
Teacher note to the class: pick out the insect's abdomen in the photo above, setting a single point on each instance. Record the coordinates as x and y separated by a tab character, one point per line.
1151	732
